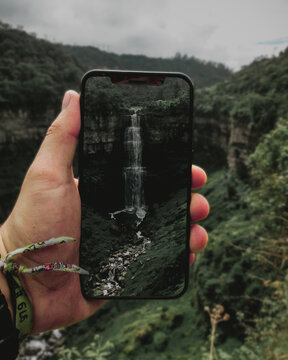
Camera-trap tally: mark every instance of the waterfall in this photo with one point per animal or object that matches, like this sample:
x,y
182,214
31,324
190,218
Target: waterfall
x,y
134,172
113,273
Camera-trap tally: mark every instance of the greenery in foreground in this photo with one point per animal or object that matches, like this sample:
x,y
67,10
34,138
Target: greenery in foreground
x,y
243,268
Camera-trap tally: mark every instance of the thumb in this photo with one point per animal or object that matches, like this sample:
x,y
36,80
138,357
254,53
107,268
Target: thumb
x,y
59,145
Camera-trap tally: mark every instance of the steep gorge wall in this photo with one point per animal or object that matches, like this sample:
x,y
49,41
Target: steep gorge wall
x,y
20,137
225,141
103,134
232,142
216,139
216,143
18,127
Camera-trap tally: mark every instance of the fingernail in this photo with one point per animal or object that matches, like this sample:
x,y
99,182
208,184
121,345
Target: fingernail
x,y
191,258
66,100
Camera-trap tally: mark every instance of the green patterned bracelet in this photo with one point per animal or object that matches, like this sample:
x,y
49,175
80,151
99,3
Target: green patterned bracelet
x,y
23,313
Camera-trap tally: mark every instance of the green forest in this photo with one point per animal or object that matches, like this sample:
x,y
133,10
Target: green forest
x,y
236,306
34,72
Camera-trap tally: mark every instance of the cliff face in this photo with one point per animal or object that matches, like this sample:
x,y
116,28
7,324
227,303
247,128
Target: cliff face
x,y
215,142
166,129
17,127
227,142
219,140
232,142
20,138
238,146
103,134
211,140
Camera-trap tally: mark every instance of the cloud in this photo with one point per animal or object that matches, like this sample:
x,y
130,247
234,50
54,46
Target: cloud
x,y
278,41
222,31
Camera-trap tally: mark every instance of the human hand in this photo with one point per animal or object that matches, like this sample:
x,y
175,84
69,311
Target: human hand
x,y
49,206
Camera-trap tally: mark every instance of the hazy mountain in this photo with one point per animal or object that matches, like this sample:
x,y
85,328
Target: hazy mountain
x,y
34,72
202,72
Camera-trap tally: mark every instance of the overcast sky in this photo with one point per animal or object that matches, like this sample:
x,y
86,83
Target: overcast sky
x,y
228,31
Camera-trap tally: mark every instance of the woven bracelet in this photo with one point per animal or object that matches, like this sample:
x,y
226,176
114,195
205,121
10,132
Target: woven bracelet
x,y
23,314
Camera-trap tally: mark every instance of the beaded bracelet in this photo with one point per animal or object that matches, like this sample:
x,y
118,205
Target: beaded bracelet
x,y
23,317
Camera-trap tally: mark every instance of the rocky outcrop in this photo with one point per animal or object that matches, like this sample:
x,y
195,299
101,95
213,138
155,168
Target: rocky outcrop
x,y
102,134
238,147
165,129
41,347
234,141
211,136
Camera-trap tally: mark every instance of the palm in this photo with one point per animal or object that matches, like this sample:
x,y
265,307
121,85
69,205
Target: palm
x,y
49,206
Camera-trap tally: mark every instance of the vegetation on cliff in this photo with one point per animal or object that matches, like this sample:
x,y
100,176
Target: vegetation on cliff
x,y
255,96
203,73
243,268
34,73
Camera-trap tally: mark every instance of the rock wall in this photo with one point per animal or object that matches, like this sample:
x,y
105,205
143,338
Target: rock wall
x,y
16,127
214,137
211,141
102,134
238,146
20,137
165,129
232,141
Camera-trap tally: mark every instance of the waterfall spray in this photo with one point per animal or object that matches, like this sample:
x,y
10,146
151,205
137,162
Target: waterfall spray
x,y
133,171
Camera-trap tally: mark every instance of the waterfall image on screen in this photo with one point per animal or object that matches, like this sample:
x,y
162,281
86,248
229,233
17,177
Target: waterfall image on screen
x,y
133,187
134,171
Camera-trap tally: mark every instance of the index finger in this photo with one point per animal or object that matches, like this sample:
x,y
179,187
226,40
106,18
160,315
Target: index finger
x,y
199,177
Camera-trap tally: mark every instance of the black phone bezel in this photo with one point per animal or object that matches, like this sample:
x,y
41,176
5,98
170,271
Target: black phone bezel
x,y
109,73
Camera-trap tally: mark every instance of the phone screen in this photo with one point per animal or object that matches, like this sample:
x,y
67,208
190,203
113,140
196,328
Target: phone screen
x,y
134,182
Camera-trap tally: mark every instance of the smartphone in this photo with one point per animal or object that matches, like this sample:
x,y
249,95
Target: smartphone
x,y
135,156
